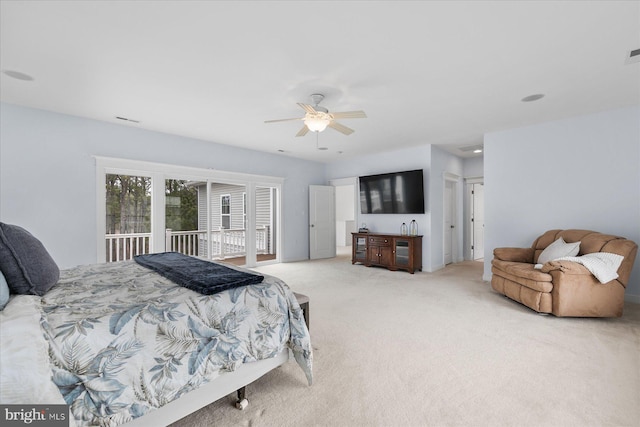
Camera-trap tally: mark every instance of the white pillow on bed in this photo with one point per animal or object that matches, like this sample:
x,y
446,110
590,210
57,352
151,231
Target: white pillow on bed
x,y
25,373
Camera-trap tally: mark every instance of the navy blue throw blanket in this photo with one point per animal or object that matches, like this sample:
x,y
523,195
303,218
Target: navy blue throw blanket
x,y
198,275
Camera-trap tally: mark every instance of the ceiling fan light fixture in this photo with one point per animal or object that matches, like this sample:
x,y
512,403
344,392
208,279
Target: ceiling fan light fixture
x,y
318,118
316,124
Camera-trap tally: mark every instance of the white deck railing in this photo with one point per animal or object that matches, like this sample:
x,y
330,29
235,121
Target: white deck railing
x,y
224,243
122,247
185,242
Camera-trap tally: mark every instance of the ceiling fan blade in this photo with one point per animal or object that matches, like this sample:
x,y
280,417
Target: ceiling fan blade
x,y
283,120
349,115
340,128
307,108
303,131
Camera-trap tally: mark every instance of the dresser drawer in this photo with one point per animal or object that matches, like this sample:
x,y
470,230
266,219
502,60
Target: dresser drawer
x,y
379,241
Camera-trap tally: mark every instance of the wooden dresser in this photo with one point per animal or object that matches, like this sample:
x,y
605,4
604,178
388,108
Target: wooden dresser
x,y
393,251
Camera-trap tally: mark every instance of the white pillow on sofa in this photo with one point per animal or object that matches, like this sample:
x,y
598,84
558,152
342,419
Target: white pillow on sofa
x,y
558,249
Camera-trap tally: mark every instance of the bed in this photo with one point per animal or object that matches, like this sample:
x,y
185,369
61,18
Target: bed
x,y
123,345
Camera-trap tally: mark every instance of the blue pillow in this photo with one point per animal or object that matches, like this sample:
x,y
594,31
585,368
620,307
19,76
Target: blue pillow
x,y
4,291
25,263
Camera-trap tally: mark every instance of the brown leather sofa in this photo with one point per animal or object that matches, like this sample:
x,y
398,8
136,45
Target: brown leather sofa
x,y
564,288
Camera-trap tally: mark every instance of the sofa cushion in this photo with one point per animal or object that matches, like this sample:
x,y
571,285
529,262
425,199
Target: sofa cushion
x,y
524,274
538,301
558,249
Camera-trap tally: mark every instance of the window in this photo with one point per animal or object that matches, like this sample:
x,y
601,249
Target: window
x,y
225,211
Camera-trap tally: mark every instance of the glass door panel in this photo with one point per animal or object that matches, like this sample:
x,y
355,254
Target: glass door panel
x,y
182,233
360,245
226,221
402,252
266,215
128,216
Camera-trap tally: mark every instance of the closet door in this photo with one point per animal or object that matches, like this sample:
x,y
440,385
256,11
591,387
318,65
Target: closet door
x,y
322,221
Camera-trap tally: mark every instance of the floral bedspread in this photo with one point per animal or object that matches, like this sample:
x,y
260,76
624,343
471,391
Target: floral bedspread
x,y
124,340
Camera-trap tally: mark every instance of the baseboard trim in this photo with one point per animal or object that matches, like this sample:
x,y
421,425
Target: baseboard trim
x,y
435,268
632,298
294,260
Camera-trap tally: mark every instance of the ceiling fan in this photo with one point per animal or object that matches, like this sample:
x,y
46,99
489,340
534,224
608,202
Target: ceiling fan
x,y
317,118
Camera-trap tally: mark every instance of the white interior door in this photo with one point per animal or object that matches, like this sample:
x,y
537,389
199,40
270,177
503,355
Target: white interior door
x,y
478,221
322,222
448,222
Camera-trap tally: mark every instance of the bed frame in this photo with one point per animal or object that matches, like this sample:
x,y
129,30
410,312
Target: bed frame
x,y
220,387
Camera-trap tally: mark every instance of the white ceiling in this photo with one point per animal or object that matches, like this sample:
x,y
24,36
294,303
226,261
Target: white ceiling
x,y
432,72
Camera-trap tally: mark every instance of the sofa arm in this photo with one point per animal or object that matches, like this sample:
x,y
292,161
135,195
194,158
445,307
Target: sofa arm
x,y
514,254
567,267
578,293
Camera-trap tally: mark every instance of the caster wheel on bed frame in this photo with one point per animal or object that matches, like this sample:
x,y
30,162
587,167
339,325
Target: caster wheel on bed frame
x,y
242,404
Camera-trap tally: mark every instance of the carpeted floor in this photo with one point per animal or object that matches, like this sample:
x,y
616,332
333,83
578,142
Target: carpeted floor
x,y
435,349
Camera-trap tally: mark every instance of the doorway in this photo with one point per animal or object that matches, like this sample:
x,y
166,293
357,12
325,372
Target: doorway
x,y
346,212
449,221
477,221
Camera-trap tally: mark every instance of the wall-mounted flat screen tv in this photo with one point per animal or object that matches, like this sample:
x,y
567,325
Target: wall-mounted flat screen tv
x,y
392,193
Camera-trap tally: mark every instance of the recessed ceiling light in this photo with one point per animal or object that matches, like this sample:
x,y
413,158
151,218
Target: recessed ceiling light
x,y
532,98
17,75
477,151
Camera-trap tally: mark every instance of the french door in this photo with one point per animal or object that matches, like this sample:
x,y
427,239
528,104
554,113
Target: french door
x,y
145,208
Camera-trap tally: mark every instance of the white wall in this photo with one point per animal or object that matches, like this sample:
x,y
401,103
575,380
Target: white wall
x,y
582,172
473,167
47,176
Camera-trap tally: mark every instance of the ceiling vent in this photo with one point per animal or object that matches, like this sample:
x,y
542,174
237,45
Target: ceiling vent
x,y
127,120
633,57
